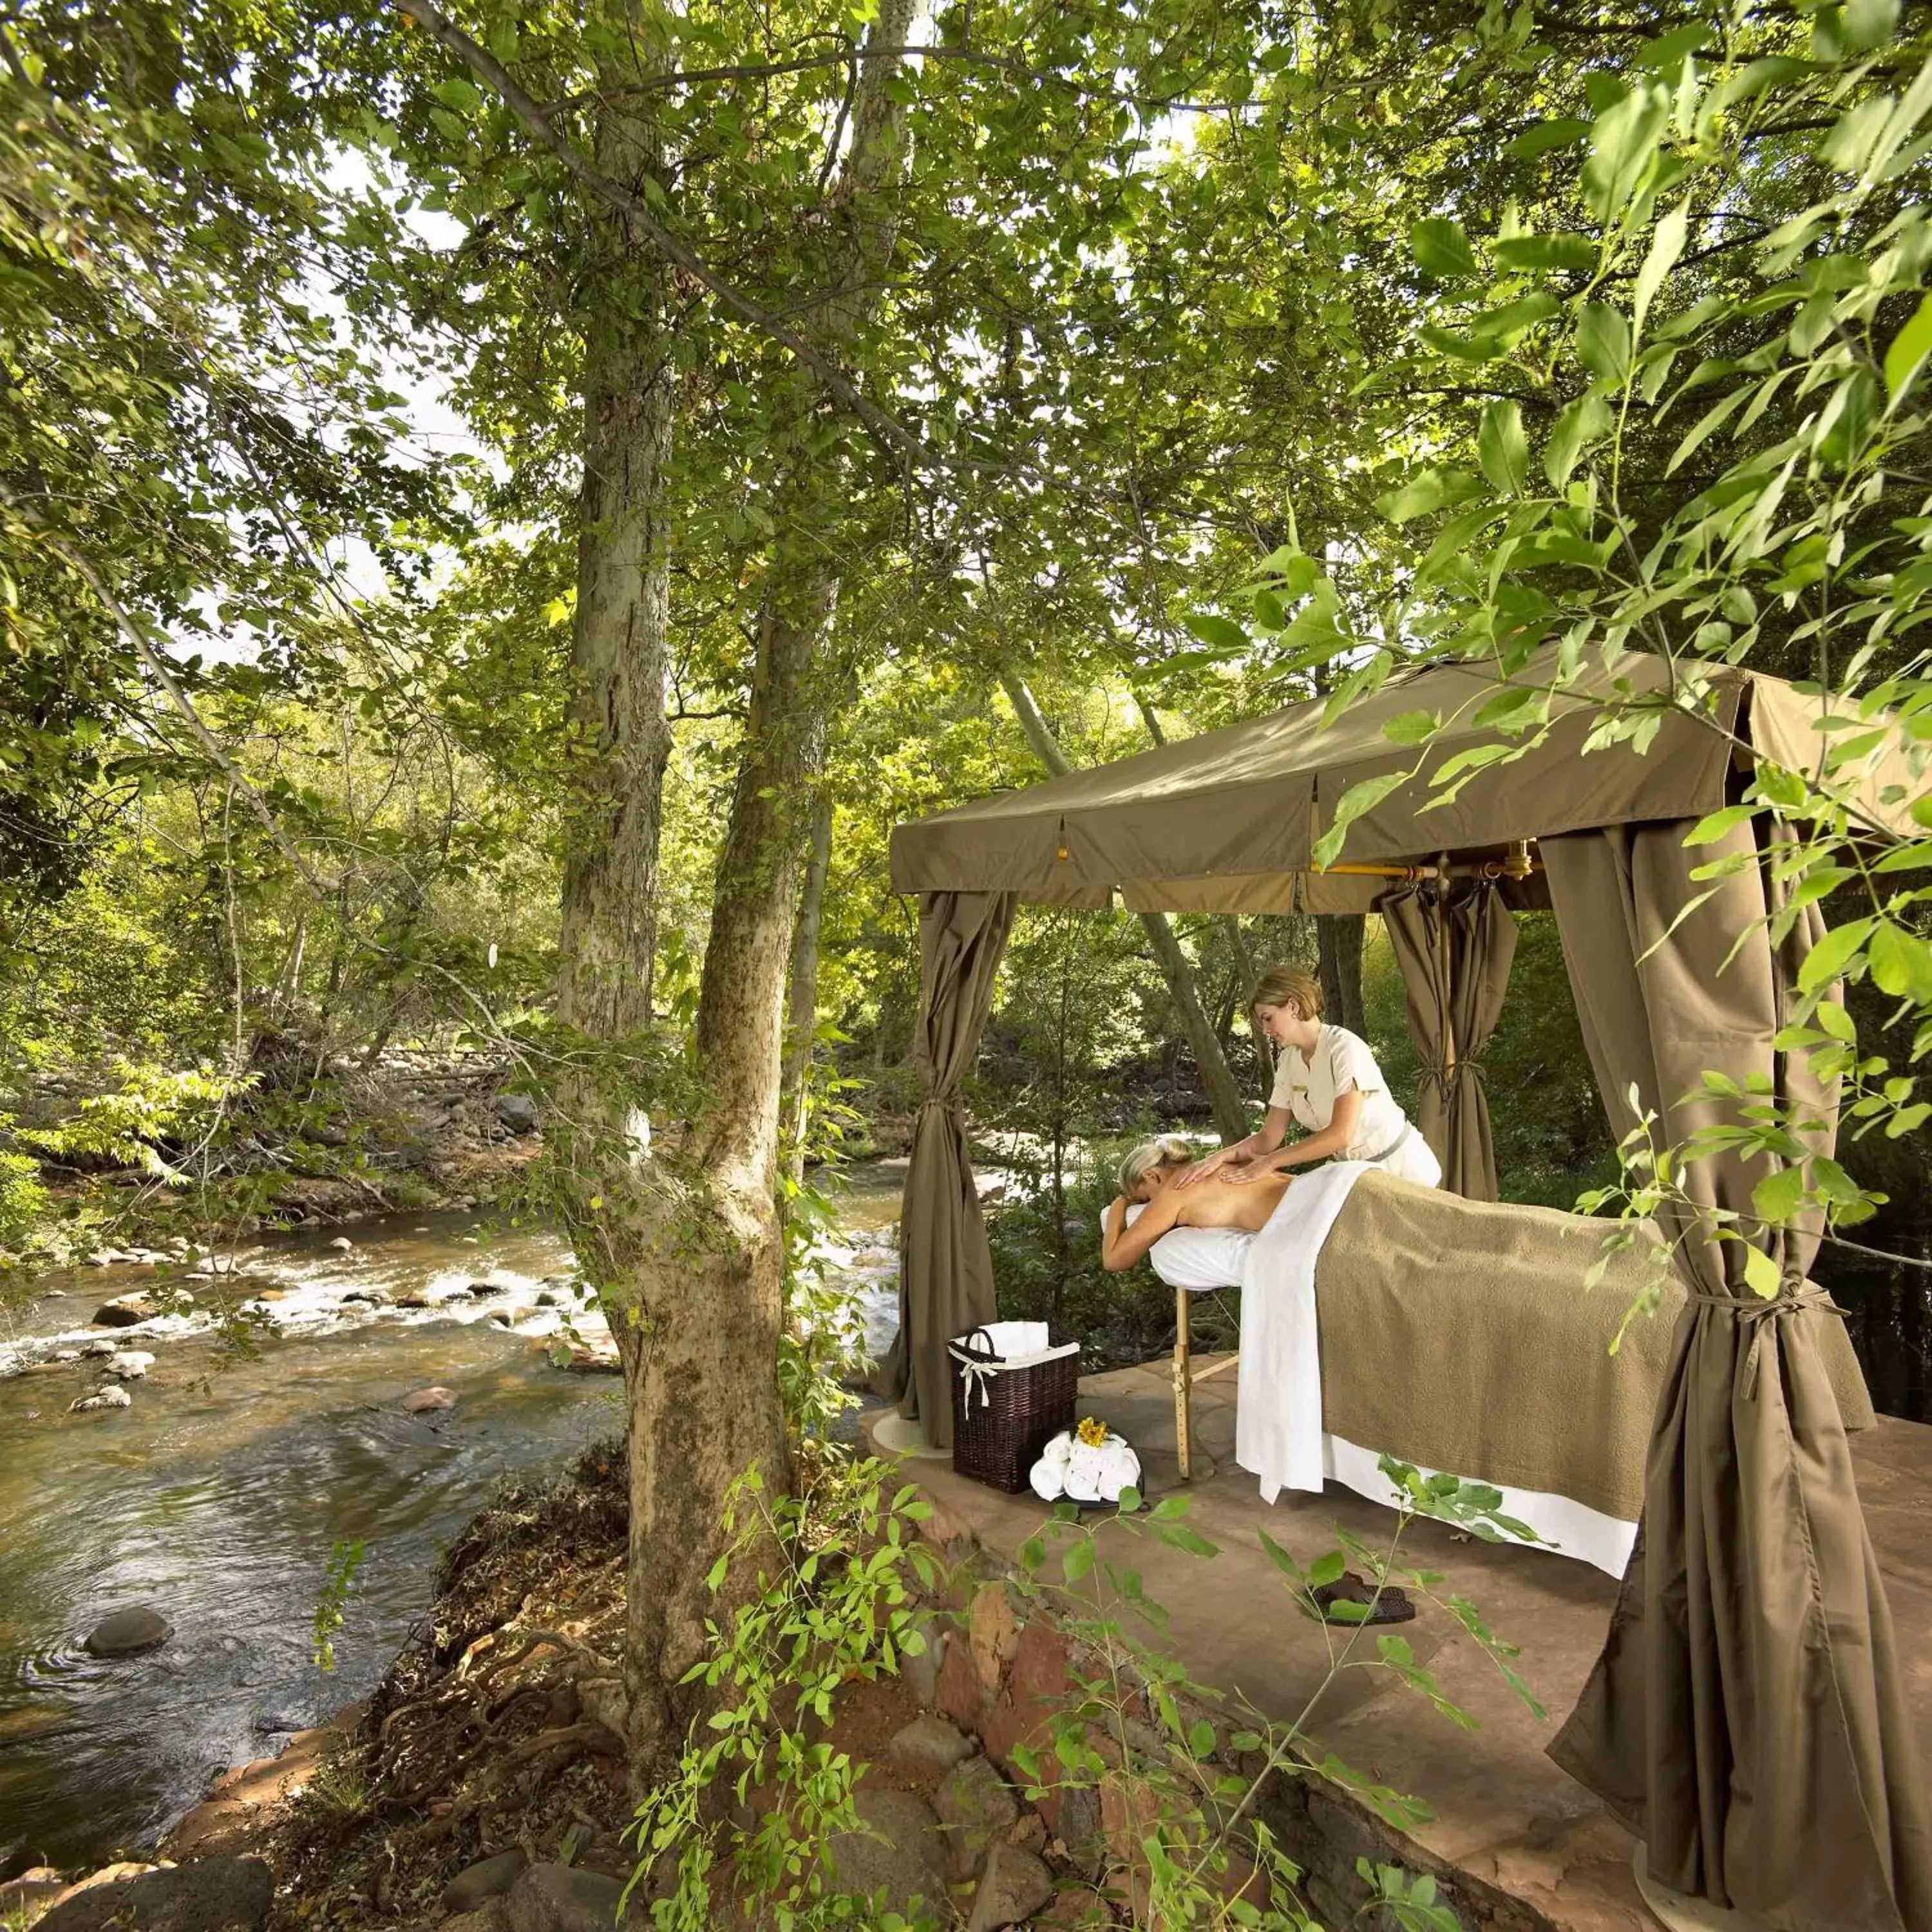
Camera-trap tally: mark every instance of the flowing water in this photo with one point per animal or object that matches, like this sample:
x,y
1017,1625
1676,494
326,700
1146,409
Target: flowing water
x,y
218,1497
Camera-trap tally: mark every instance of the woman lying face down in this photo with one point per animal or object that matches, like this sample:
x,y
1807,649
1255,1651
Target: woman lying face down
x,y
1149,1177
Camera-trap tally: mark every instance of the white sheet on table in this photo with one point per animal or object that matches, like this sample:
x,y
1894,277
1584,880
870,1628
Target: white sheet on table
x,y
1278,1403
1272,1435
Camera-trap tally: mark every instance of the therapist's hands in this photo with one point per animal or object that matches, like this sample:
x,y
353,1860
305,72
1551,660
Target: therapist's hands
x,y
1201,1169
1242,1173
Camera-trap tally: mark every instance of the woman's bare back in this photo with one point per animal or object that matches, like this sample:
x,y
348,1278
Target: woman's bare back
x,y
1215,1203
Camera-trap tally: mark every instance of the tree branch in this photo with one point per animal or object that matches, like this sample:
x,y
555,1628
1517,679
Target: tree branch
x,y
136,635
536,118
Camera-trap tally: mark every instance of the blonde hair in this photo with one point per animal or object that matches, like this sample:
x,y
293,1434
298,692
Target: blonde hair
x,y
1165,1150
1281,985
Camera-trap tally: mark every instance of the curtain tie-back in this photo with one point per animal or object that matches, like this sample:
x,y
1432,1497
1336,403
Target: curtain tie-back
x,y
1752,1309
1755,1308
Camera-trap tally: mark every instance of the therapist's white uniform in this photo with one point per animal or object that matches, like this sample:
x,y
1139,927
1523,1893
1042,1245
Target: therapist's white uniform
x,y
1339,1061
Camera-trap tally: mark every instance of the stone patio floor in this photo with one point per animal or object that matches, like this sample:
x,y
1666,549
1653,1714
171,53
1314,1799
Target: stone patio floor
x,y
1504,1813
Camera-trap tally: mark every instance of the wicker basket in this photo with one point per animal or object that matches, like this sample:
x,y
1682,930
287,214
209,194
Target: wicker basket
x,y
1005,1412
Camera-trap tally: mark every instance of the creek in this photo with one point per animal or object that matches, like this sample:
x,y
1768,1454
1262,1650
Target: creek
x,y
218,1496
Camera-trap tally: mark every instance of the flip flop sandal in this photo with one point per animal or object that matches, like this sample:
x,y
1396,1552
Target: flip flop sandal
x,y
1391,1606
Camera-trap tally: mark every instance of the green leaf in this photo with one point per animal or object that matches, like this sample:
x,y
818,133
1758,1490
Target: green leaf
x,y
463,95
1603,343
1910,347
1560,250
1761,1275
1668,52
1442,249
1710,828
1546,137
1666,245
1363,796
1778,1196
1077,1560
1222,633
1182,1536
1580,425
1326,1569
1501,447
1411,727
1623,148
1901,963
1827,960
1870,23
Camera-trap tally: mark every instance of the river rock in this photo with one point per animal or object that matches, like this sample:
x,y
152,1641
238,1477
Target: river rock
x,y
901,1851
128,1632
563,1898
342,1244
422,1401
125,1312
212,1895
129,1365
487,1879
1016,1886
518,1112
35,1886
591,1362
113,1396
100,1345
976,1806
929,1745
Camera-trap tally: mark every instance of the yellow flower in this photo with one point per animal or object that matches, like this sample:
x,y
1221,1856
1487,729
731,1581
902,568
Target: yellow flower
x,y
1093,1432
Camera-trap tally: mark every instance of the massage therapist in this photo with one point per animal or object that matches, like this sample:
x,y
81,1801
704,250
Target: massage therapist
x,y
1328,1081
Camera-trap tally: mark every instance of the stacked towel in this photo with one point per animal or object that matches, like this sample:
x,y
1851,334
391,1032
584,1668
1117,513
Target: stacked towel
x,y
1085,1473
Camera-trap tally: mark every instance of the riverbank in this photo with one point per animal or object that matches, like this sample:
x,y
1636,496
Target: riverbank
x,y
481,1788
269,1428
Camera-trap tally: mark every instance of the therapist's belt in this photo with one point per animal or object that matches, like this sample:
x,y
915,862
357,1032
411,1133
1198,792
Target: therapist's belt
x,y
1375,1160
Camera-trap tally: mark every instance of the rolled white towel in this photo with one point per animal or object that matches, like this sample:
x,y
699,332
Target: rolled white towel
x,y
1049,1473
1120,1469
1085,1466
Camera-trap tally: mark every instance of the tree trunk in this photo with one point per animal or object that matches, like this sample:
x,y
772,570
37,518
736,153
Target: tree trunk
x,y
1339,935
801,1014
596,1131
701,1348
1230,1114
1230,922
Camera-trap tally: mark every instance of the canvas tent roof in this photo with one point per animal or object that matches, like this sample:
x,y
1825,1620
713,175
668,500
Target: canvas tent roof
x,y
1227,820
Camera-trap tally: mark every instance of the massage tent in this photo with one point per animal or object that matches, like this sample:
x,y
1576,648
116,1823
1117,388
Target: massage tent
x,y
1746,1717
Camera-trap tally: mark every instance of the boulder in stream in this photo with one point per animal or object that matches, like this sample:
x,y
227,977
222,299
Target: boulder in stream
x,y
127,1632
129,1365
342,1244
213,1894
423,1401
113,1396
125,1312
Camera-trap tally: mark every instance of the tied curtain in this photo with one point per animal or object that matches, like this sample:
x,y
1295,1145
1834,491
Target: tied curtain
x,y
1746,1718
1455,949
945,1268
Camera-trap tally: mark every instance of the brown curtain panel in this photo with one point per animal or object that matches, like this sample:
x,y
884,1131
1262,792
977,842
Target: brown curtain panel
x,y
1455,956
1746,1717
946,1269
